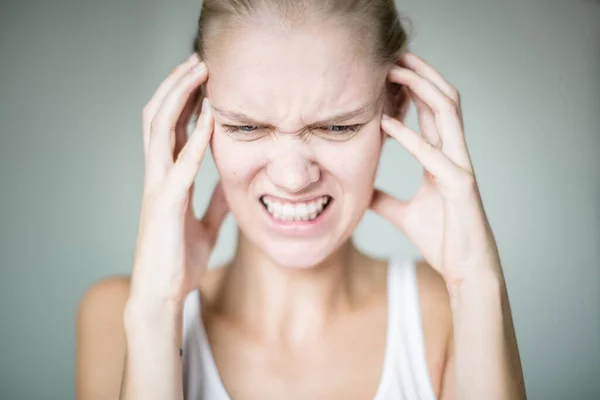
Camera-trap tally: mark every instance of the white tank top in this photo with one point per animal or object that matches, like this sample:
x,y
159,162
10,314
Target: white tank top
x,y
405,375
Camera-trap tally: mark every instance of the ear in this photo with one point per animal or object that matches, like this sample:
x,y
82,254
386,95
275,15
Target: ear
x,y
397,100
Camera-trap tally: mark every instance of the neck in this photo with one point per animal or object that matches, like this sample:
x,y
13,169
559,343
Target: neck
x,y
288,305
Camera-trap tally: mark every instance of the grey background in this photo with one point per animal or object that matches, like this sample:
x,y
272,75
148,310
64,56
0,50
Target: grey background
x,y
74,77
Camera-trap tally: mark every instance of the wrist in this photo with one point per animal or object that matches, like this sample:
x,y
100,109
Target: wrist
x,y
483,286
150,312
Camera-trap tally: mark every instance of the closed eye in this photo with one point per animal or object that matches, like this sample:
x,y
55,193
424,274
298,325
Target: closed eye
x,y
240,129
334,130
341,128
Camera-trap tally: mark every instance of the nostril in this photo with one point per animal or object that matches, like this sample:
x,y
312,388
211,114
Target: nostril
x,y
293,176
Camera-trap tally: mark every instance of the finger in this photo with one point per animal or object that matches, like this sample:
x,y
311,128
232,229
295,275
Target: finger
x,y
157,98
432,159
215,212
183,173
447,117
428,129
191,201
162,131
388,207
181,128
425,70
426,121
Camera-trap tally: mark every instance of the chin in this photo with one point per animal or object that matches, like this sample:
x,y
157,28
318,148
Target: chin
x,y
297,255
301,253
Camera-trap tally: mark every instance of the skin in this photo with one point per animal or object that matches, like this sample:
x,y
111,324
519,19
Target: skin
x,y
286,310
287,89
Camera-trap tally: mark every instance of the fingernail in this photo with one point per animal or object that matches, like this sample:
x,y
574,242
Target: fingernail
x,y
385,117
193,57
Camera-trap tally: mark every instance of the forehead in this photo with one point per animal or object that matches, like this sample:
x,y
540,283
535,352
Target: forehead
x,y
280,74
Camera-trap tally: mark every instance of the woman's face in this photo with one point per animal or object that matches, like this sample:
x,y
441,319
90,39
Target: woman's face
x,y
297,136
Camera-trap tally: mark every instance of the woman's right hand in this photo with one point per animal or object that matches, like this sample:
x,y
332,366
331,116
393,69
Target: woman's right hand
x,y
173,246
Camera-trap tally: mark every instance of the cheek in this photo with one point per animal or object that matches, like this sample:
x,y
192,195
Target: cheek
x,y
355,162
236,162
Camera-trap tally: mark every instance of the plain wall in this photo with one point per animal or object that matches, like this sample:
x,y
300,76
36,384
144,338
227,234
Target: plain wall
x,y
74,77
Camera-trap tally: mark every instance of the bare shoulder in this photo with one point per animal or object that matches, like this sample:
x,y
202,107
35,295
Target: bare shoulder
x,y
436,318
101,342
100,338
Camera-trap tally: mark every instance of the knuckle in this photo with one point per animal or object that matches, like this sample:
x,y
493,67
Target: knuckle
x,y
455,96
446,106
466,181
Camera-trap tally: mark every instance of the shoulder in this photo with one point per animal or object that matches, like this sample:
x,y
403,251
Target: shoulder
x,y
104,302
101,342
436,319
108,291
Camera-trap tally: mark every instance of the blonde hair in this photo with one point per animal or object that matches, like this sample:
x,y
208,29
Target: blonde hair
x,y
376,21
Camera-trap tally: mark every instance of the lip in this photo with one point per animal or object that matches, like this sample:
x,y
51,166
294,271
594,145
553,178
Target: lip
x,y
283,200
298,228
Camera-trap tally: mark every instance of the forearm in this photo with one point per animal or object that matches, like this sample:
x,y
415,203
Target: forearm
x,y
153,364
487,364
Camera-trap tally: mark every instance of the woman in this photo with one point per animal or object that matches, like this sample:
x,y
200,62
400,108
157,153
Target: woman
x,y
298,99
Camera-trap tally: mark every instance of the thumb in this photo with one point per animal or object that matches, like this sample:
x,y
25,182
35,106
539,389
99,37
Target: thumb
x,y
216,212
389,207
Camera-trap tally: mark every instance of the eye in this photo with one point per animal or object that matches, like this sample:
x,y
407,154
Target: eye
x,y
240,129
341,129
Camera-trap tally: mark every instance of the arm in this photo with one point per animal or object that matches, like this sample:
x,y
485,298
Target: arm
x,y
486,358
447,224
173,245
125,350
153,364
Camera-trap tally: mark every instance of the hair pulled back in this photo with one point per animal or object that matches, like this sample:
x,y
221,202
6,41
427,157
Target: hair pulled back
x,y
375,20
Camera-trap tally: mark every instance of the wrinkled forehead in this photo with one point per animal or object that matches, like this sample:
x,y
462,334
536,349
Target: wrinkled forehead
x,y
279,75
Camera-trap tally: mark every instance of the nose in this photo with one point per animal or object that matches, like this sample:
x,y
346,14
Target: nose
x,y
292,171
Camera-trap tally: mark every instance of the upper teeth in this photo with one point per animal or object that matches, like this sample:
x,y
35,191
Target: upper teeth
x,y
298,212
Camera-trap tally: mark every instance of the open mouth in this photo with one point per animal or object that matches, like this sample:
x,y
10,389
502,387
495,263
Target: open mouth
x,y
306,211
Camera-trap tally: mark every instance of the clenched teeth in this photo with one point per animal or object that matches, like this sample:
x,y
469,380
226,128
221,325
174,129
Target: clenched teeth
x,y
296,212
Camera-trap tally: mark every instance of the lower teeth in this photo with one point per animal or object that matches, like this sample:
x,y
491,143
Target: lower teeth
x,y
294,218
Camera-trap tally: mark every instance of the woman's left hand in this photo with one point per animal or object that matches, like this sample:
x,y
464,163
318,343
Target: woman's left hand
x,y
445,220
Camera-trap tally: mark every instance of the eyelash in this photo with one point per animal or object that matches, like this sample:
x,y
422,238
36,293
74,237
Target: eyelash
x,y
345,129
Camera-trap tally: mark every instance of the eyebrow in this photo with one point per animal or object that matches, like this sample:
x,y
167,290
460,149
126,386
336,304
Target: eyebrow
x,y
345,116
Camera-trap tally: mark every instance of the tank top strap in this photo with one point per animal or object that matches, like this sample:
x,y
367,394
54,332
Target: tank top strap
x,y
205,383
405,374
